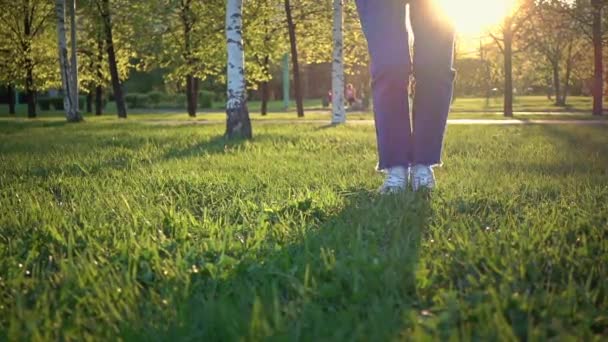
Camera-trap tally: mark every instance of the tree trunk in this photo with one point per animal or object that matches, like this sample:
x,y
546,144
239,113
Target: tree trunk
x,y
116,85
196,89
238,124
598,81
191,91
90,101
67,78
11,99
264,87
569,62
98,100
30,92
74,60
508,56
556,84
294,59
264,106
337,77
191,95
99,88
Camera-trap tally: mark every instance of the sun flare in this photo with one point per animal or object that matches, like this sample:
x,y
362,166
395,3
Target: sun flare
x,y
475,16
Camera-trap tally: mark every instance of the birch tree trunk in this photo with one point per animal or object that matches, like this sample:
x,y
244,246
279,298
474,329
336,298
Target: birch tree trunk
x,y
337,72
238,124
67,79
74,60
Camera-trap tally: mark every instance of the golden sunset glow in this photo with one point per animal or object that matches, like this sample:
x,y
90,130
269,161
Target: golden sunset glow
x,y
475,16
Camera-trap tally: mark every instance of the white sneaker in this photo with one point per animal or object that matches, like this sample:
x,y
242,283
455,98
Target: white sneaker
x,y
422,177
396,180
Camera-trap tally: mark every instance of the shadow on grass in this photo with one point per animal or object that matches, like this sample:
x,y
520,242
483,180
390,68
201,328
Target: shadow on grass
x,y
217,144
588,144
348,276
581,152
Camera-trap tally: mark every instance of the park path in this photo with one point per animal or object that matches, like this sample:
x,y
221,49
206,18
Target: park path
x,y
471,122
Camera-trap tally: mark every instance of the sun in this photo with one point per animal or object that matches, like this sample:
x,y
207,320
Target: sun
x,y
475,16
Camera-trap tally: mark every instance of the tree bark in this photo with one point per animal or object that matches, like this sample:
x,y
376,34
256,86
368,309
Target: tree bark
x,y
98,100
264,87
30,91
191,91
74,58
70,104
116,84
294,59
90,101
598,79
508,57
264,106
238,124
556,84
191,95
569,62
11,99
99,88
337,79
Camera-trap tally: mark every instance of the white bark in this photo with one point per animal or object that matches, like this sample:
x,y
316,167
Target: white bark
x,y
237,115
67,79
236,59
338,112
74,61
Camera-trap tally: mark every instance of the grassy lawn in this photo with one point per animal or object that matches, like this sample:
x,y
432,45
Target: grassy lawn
x,y
461,108
150,232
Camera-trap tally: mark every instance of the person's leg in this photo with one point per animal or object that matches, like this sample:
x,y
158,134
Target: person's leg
x,y
434,75
383,23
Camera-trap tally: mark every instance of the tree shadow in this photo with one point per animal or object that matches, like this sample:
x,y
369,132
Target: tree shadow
x,y
581,153
348,276
217,144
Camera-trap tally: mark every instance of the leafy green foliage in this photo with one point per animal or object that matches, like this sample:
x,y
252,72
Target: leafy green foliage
x,y
28,41
169,232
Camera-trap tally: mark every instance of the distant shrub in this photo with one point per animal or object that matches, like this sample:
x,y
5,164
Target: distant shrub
x,y
205,99
57,102
155,97
180,100
44,103
82,100
137,100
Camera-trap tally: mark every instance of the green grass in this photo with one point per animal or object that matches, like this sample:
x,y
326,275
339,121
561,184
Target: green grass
x,y
524,104
465,107
149,232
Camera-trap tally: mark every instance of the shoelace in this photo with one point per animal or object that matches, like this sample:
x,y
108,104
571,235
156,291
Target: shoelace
x,y
422,176
394,180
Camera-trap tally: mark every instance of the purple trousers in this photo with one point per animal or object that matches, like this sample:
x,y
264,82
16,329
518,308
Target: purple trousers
x,y
401,143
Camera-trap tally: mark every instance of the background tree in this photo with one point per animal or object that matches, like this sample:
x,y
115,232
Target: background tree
x,y
551,33
104,9
8,73
339,114
68,70
238,124
265,37
588,15
291,28
192,44
505,37
32,55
